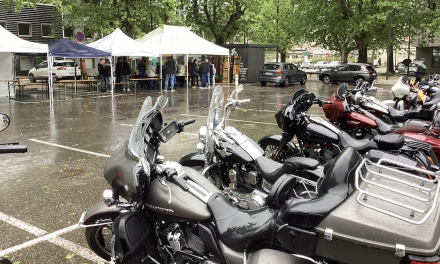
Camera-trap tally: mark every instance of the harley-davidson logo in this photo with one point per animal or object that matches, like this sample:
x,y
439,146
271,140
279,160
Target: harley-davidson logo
x,y
159,208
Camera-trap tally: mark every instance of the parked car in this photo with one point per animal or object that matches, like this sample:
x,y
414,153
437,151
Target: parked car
x,y
333,64
307,64
283,73
350,72
401,68
62,69
320,65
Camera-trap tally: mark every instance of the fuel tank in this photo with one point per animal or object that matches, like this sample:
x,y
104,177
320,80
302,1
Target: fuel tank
x,y
183,206
357,120
316,132
244,151
378,107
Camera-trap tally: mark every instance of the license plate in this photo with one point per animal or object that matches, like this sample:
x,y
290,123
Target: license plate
x,y
268,73
374,74
71,73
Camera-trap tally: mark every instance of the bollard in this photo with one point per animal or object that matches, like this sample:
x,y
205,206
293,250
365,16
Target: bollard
x,y
236,79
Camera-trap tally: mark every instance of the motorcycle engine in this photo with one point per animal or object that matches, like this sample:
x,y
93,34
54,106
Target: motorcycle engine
x,y
321,152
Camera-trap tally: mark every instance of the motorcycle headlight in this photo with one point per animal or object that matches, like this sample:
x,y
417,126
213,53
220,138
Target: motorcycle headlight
x,y
111,197
202,134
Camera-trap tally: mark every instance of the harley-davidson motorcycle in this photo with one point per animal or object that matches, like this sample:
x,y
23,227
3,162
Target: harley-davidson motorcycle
x,y
388,114
172,214
321,140
235,163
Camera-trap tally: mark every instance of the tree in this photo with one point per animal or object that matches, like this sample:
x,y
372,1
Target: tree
x,y
273,25
219,20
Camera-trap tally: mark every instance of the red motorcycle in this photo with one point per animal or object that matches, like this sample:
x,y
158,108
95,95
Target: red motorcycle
x,y
360,123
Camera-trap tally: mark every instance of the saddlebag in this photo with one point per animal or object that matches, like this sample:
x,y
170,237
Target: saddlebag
x,y
133,242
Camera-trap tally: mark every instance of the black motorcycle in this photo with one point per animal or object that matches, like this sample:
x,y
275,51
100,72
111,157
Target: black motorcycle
x,y
321,140
235,163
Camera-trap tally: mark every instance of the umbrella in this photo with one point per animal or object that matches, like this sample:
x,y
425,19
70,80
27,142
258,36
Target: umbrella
x,y
421,65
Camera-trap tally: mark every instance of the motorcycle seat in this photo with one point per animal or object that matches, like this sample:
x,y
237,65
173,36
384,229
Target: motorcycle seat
x,y
271,170
337,184
384,128
382,142
431,104
396,115
414,126
360,145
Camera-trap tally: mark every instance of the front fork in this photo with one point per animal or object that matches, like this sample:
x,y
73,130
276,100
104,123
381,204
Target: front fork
x,y
286,138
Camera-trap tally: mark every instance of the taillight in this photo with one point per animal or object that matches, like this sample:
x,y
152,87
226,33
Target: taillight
x,y
62,68
279,71
368,72
411,259
260,70
423,262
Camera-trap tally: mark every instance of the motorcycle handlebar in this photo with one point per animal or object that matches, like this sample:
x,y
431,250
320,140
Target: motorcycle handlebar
x,y
179,182
243,101
13,149
189,121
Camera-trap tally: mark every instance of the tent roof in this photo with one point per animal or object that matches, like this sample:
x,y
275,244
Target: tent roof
x,y
70,49
180,40
119,44
11,43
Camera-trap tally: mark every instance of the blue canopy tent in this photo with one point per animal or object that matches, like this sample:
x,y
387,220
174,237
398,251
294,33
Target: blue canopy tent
x,y
69,49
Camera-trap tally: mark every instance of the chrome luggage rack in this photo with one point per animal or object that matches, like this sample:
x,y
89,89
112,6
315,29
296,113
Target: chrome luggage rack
x,y
311,190
385,188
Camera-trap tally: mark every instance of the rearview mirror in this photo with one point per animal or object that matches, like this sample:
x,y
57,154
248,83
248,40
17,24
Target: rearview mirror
x,y
162,101
239,88
4,122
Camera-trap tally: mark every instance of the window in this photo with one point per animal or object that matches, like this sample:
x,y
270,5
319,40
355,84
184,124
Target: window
x,y
65,64
3,24
42,65
46,30
271,66
354,68
90,63
342,68
24,29
68,32
26,63
435,58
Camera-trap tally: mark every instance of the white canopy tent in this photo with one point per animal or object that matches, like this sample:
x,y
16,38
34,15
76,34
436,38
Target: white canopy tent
x,y
180,40
10,44
119,44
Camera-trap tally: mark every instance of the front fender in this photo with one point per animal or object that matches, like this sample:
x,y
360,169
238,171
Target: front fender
x,y
193,160
99,214
276,140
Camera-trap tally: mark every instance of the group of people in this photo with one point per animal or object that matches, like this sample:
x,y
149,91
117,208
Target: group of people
x,y
122,74
206,71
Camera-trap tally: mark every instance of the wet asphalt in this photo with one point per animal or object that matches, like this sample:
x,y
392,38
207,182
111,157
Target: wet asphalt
x,y
49,187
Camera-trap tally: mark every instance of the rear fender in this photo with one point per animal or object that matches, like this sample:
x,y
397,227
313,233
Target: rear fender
x,y
276,140
99,214
193,160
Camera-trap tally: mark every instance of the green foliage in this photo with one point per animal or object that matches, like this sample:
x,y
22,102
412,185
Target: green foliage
x,y
219,20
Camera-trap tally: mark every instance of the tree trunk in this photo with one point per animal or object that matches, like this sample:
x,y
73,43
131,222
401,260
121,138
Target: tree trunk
x,y
283,57
344,55
363,53
390,63
83,69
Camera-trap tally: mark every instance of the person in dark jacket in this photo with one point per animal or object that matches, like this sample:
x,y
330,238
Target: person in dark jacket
x,y
203,72
170,69
419,74
142,67
208,74
125,73
118,72
108,75
194,74
101,73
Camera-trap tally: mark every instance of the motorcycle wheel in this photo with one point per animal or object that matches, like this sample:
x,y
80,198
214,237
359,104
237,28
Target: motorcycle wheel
x,y
270,149
5,261
99,239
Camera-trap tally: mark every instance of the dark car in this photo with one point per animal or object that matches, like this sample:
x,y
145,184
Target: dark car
x,y
350,73
283,73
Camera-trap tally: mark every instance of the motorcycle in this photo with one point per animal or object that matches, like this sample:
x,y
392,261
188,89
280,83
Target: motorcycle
x,y
172,214
388,114
430,85
321,140
235,163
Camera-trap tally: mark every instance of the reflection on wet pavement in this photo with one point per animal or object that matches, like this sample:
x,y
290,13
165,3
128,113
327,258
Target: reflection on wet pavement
x,y
50,186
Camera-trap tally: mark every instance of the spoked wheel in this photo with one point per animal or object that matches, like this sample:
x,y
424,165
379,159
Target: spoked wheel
x,y
326,79
270,150
286,82
5,261
99,240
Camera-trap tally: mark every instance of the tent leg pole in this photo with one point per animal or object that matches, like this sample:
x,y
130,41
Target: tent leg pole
x,y
187,72
229,68
160,73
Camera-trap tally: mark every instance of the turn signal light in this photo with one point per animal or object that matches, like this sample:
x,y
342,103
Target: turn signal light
x,y
62,68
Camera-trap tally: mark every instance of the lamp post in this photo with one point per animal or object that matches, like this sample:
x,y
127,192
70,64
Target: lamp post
x,y
388,51
409,44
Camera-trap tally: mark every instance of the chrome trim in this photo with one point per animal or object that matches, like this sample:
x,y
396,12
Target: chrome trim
x,y
107,223
210,167
320,121
328,234
243,142
267,187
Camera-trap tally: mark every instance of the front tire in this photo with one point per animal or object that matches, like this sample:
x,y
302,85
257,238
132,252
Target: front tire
x,y
99,240
32,78
303,80
263,83
270,149
359,80
326,79
285,83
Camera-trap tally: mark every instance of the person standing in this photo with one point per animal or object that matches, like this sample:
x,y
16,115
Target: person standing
x,y
194,74
380,62
108,75
170,69
151,73
118,72
203,71
213,72
142,67
190,77
419,74
182,73
208,74
125,74
101,73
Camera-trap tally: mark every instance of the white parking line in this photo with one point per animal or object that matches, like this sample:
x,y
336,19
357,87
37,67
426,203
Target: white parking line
x,y
236,120
69,148
44,236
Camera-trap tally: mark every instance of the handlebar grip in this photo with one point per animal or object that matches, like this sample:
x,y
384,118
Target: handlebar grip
x,y
13,149
180,182
327,102
243,101
189,121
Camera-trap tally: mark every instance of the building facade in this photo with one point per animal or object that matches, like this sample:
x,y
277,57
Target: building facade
x,y
430,52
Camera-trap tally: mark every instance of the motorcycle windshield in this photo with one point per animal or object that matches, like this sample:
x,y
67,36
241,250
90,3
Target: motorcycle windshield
x,y
340,93
136,142
214,115
297,94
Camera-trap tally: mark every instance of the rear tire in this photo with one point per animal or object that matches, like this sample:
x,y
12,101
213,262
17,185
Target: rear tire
x,y
5,261
303,80
326,79
32,78
359,80
99,238
263,83
285,83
